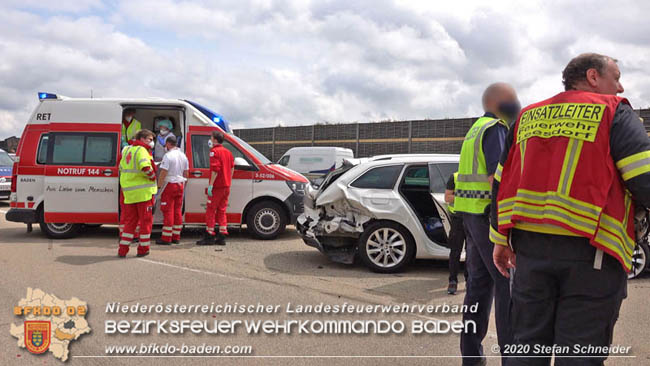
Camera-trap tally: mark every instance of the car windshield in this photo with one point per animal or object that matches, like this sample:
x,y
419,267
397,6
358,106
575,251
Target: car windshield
x,y
5,159
263,159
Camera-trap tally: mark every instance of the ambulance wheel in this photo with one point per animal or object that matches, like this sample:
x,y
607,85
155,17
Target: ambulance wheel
x,y
386,247
60,230
266,220
639,260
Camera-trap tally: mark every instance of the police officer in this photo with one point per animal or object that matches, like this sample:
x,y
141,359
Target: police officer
x,y
561,198
478,161
222,165
171,182
138,182
130,126
456,236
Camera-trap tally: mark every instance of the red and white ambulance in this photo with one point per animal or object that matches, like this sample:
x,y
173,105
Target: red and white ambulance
x,y
66,170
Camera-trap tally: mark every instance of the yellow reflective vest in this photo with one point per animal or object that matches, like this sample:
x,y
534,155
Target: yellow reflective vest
x,y
473,191
128,134
136,186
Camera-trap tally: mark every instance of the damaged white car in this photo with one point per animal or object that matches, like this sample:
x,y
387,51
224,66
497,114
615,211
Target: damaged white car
x,y
385,211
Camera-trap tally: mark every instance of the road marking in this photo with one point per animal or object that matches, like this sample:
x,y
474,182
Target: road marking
x,y
190,269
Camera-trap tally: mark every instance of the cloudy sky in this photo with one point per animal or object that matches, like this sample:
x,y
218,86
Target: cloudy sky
x,y
264,63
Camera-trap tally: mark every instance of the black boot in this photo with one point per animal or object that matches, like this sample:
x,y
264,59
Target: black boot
x,y
162,242
208,239
220,239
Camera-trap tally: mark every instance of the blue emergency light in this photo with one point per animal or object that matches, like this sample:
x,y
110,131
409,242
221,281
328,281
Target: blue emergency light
x,y
42,96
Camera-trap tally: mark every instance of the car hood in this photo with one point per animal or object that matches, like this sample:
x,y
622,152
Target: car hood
x,y
286,173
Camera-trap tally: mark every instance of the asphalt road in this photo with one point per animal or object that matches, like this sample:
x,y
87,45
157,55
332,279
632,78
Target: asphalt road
x,y
246,271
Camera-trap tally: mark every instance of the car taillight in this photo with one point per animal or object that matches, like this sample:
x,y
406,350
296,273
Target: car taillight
x,y
14,178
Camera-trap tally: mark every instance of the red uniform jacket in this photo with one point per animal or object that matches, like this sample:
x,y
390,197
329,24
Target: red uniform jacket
x,y
222,162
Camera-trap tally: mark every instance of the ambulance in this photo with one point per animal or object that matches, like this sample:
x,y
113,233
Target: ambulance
x,y
65,175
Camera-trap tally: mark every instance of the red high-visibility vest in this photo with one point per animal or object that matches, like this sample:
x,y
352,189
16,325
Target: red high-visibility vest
x,y
560,178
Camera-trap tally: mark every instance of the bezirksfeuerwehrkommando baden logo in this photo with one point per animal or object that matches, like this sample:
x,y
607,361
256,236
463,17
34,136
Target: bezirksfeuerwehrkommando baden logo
x,y
49,323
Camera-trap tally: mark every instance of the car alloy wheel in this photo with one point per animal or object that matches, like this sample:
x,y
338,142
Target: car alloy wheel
x,y
639,260
386,247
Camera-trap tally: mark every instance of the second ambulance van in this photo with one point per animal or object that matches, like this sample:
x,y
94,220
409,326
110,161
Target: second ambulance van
x,y
66,170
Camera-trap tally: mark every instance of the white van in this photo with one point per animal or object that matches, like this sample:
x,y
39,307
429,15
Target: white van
x,y
316,161
66,170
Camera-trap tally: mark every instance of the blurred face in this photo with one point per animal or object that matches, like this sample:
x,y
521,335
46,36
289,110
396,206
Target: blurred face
x,y
607,83
128,116
504,103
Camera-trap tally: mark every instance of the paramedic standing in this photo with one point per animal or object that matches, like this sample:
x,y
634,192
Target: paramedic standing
x,y
171,181
573,168
138,181
222,164
130,126
456,236
478,161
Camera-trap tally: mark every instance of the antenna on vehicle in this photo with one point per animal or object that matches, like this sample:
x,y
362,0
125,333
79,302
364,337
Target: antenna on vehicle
x,y
91,94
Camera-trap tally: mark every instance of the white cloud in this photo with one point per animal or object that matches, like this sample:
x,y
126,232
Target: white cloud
x,y
263,63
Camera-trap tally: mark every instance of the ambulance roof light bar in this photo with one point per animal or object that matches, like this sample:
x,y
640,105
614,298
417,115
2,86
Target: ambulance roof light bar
x,y
42,96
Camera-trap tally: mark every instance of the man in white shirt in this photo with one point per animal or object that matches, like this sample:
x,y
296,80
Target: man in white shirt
x,y
171,181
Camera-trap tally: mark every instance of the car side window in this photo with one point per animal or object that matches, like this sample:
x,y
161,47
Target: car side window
x,y
379,178
41,157
201,151
417,176
81,148
445,170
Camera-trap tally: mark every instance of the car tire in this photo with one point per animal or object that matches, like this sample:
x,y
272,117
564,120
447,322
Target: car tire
x,y
60,230
266,220
639,259
386,247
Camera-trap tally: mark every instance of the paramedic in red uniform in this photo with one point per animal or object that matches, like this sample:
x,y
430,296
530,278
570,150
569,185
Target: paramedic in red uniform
x,y
564,194
222,164
171,181
138,182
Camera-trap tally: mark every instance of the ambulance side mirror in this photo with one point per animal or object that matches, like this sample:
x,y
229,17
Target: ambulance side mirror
x,y
242,164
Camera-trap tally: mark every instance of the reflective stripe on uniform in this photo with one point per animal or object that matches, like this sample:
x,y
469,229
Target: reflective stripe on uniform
x,y
127,235
473,178
145,236
472,194
125,242
133,188
498,238
571,157
498,172
145,243
634,165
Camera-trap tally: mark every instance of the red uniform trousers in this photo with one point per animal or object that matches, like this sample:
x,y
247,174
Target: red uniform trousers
x,y
136,214
123,217
217,205
171,204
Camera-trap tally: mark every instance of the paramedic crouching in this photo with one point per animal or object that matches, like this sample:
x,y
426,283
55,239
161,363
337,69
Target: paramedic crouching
x,y
138,182
171,182
222,164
